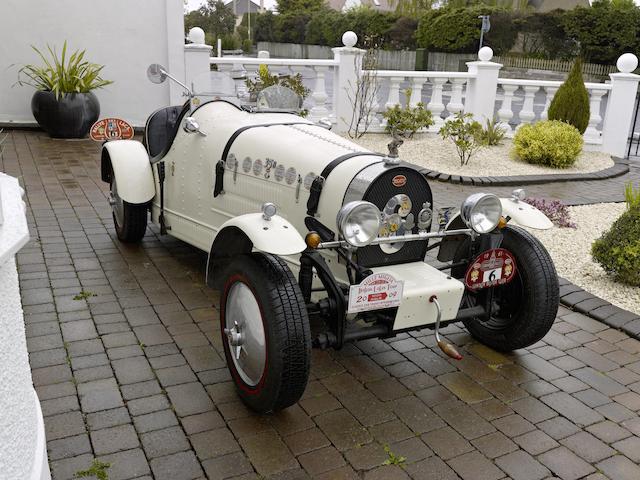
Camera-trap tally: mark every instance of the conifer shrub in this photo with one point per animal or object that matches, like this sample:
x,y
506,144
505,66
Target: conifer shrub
x,y
551,143
571,102
618,250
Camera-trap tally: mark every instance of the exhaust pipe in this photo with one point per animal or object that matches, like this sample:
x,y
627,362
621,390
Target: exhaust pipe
x,y
445,346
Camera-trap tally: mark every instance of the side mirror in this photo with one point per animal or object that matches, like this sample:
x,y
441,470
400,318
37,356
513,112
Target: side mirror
x,y
156,73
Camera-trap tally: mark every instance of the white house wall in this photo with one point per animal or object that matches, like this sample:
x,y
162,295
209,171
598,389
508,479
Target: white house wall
x,y
124,35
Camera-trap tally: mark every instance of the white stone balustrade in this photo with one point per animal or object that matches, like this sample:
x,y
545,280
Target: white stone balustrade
x,y
478,91
529,89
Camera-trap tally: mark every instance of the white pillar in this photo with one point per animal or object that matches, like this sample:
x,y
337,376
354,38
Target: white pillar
x,y
197,62
481,89
620,106
349,64
175,48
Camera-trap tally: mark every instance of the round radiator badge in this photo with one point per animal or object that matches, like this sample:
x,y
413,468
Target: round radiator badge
x,y
246,164
491,268
290,176
399,181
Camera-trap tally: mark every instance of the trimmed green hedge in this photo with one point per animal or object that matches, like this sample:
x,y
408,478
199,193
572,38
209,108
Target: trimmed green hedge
x,y
551,143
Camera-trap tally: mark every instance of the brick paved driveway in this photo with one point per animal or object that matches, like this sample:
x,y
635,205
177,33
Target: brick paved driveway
x,y
133,374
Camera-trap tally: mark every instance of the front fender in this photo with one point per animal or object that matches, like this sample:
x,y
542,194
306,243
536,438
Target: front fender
x,y
129,162
524,214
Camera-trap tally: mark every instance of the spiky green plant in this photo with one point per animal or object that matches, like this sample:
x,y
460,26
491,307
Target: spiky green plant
x,y
571,102
62,74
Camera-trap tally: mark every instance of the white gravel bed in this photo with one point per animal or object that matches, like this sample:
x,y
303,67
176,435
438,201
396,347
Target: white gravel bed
x,y
431,151
571,252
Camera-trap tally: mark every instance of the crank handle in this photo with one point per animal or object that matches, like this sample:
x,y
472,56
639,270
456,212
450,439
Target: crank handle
x,y
445,346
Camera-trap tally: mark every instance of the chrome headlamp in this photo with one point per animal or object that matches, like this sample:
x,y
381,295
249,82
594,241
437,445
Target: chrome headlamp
x,y
481,212
359,223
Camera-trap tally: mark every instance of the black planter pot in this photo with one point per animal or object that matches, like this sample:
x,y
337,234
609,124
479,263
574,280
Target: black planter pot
x,y
70,116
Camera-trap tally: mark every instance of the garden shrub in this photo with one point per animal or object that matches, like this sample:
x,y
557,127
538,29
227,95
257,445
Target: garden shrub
x,y
551,143
557,211
618,250
571,102
492,133
465,134
406,121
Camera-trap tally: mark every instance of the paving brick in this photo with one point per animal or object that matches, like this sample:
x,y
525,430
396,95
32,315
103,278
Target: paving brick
x,y
175,375
608,431
145,405
202,422
306,441
513,425
558,428
155,421
416,415
599,381
389,432
214,443
108,418
432,468
126,465
629,447
114,439
59,405
65,469
320,404
80,330
520,465
536,442
268,454
132,370
474,466
159,443
139,390
189,399
619,468
572,409
587,447
227,466
565,464
99,395
51,375
321,460
291,420
386,472
464,419
494,445
68,447
615,412
342,429
465,388
446,443
179,466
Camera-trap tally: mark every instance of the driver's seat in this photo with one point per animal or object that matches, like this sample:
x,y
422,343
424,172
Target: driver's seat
x,y
161,129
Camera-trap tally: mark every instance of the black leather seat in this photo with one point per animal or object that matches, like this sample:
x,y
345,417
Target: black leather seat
x,y
161,129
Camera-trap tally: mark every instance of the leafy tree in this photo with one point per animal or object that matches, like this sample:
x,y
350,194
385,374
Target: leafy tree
x,y
214,17
401,35
544,35
457,30
412,8
265,30
285,7
571,102
603,31
325,27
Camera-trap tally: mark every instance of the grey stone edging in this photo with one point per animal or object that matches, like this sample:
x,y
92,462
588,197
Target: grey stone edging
x,y
579,300
620,167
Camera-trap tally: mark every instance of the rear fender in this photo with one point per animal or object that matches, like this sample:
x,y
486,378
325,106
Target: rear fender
x,y
251,232
129,162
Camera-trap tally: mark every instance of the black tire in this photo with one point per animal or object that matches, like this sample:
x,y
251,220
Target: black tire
x,y
527,306
286,330
132,224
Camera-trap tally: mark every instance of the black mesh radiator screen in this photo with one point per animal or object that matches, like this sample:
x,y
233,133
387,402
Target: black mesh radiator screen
x,y
379,193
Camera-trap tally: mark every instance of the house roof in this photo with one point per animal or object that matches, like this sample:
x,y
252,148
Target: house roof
x,y
240,7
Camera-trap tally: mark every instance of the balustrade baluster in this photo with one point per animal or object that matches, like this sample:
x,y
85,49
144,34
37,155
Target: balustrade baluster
x,y
455,105
416,91
319,95
592,134
550,92
435,105
505,114
527,115
394,92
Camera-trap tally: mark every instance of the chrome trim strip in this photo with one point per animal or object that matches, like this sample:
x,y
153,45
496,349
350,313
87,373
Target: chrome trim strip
x,y
422,235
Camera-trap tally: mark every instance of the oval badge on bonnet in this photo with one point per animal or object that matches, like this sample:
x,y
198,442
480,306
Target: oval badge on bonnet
x,y
399,181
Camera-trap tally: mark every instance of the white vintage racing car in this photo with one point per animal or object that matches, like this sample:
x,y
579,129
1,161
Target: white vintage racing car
x,y
305,227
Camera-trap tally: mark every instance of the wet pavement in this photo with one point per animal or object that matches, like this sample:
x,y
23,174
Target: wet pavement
x,y
132,372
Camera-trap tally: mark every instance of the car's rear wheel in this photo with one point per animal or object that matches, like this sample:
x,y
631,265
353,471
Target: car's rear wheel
x,y
265,332
522,311
130,219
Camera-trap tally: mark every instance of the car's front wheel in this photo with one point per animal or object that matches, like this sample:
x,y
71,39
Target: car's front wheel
x,y
265,332
130,219
522,311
